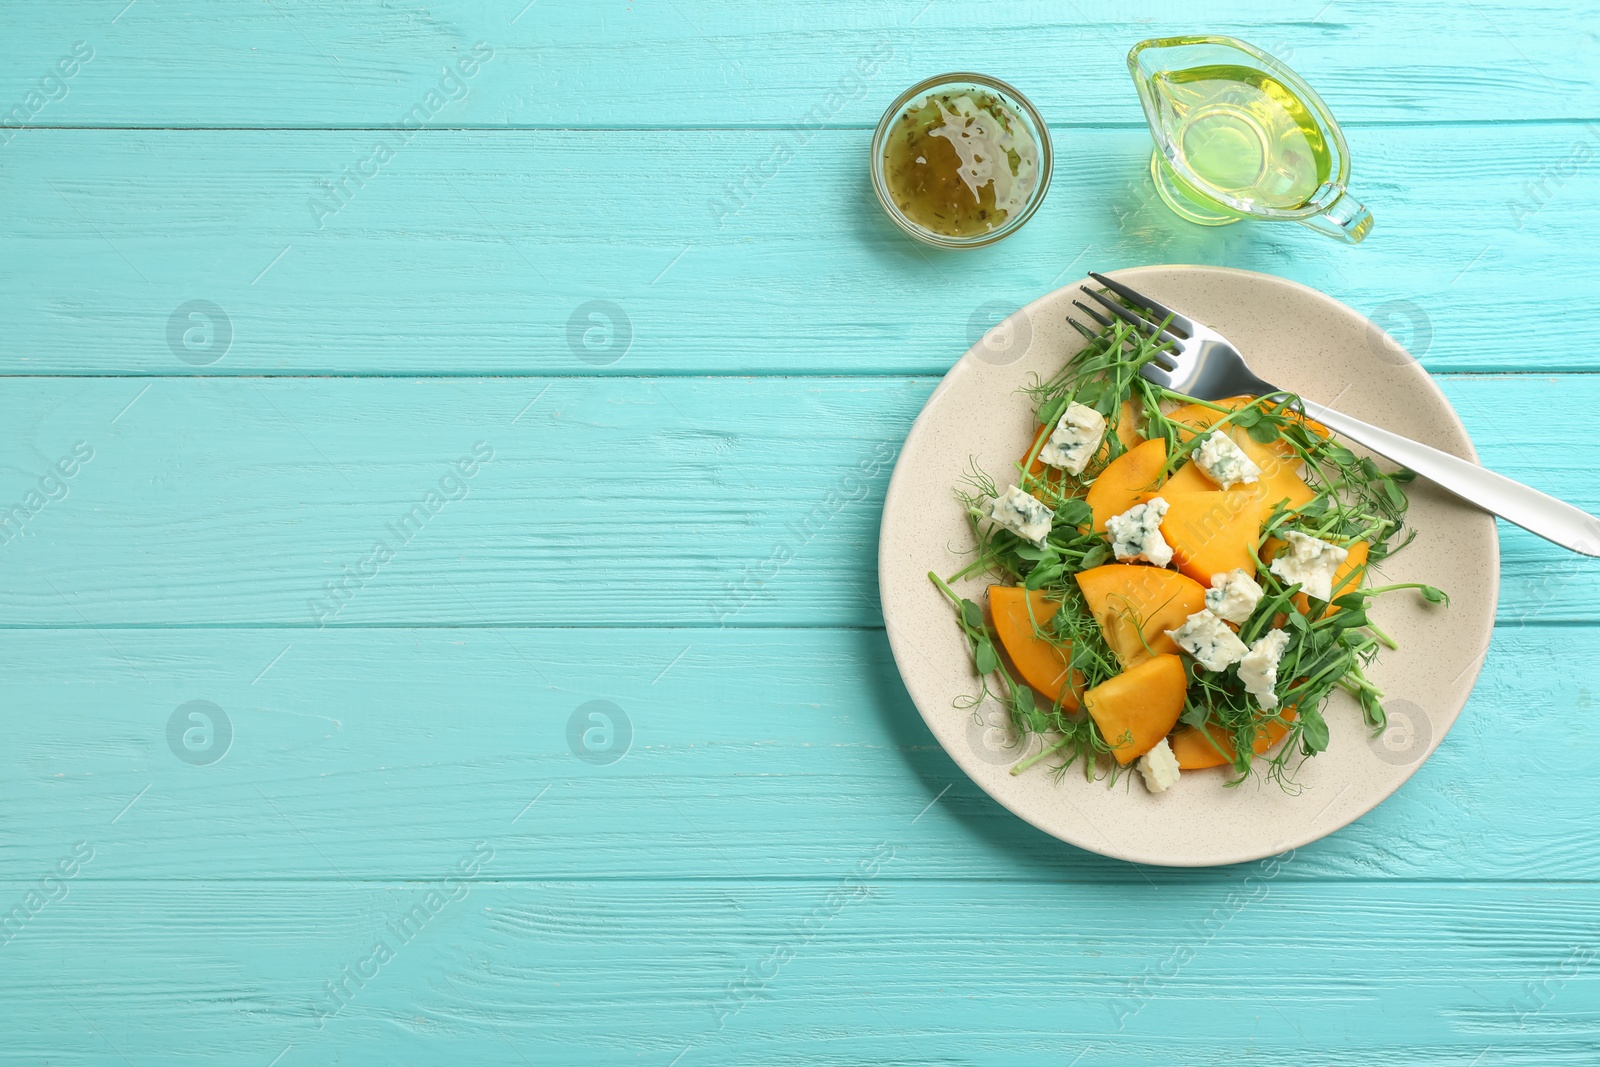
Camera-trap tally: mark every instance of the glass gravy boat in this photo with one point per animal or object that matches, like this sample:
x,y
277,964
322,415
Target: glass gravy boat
x,y
1240,135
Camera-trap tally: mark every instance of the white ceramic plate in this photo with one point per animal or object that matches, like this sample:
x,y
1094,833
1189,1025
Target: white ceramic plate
x,y
1292,336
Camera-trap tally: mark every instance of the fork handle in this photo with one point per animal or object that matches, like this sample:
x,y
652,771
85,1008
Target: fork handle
x,y
1536,512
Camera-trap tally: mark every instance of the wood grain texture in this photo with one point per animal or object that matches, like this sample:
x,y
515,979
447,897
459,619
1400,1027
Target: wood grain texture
x,y
478,253
748,754
783,868
673,501
289,63
862,969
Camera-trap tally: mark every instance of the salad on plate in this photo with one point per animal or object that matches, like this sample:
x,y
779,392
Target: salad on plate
x,y
1175,584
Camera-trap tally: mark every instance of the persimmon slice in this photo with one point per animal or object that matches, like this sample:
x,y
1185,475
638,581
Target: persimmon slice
x,y
1136,605
1138,707
1042,664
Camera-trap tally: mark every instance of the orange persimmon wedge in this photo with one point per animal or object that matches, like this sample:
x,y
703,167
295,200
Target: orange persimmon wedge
x,y
1188,479
1136,605
1042,664
1127,480
1195,753
1138,707
1214,532
1278,481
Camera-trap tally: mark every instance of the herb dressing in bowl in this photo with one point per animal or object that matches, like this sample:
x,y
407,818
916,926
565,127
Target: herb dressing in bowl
x,y
960,160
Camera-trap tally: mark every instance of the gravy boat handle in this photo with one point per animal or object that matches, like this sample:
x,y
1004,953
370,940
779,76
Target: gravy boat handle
x,y
1346,219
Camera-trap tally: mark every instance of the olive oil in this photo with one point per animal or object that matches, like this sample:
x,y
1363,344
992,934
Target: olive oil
x,y
1242,133
960,163
1239,135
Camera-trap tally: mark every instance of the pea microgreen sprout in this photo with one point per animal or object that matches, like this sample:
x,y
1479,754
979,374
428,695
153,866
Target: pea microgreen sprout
x,y
1329,645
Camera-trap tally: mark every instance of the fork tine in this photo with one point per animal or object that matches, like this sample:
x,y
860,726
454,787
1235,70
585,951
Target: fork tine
x,y
1153,372
1164,358
1105,323
1128,316
1143,301
1081,328
1091,312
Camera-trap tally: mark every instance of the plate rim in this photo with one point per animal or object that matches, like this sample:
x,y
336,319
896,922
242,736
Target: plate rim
x,y
951,379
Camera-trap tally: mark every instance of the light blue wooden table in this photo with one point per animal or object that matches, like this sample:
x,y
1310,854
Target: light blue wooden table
x,y
388,384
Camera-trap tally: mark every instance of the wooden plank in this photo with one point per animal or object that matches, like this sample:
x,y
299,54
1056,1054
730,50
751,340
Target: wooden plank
x,y
382,753
858,968
783,867
671,501
687,64
482,253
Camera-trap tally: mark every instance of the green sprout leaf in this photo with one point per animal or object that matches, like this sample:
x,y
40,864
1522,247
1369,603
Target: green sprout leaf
x,y
984,657
1074,513
1040,577
1264,432
1313,731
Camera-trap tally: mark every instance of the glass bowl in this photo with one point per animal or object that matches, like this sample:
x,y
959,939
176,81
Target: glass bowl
x,y
960,82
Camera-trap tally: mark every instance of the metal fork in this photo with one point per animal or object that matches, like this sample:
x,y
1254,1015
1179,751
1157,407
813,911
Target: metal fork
x,y
1201,363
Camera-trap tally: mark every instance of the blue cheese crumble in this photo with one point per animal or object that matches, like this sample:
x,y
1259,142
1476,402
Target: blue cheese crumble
x,y
1309,561
1258,670
1158,767
1136,533
1075,439
1208,639
1225,462
1233,595
1022,514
